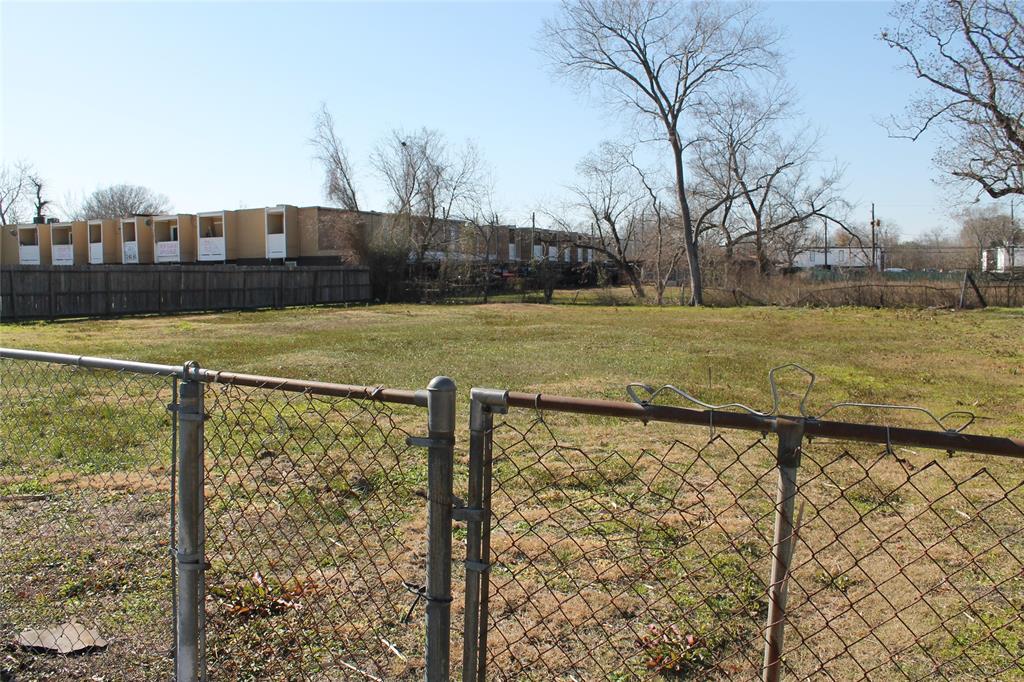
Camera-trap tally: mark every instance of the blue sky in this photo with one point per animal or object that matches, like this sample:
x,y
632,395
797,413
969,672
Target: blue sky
x,y
212,104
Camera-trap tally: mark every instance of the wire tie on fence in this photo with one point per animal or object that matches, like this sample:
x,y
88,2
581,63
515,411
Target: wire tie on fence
x,y
421,593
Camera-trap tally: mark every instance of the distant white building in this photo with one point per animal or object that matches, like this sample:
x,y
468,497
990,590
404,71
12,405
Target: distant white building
x,y
838,256
1003,258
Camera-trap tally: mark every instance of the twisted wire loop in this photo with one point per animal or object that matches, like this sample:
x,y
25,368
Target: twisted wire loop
x,y
618,557
85,511
644,394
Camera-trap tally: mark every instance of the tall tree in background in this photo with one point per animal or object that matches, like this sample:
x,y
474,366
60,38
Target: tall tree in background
x,y
121,200
985,227
339,185
615,206
431,185
659,60
37,186
771,183
14,190
970,56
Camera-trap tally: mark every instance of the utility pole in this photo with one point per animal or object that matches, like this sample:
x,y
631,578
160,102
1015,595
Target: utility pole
x,y
533,235
826,242
874,242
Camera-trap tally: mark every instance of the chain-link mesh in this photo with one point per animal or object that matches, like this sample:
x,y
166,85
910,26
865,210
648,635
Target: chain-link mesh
x,y
908,566
315,521
85,572
610,562
649,556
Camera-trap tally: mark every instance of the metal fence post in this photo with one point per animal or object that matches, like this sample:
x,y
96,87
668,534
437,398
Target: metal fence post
x,y
483,404
190,553
440,463
790,434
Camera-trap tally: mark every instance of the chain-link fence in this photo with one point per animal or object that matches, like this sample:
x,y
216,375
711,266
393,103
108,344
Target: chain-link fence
x,y
212,525
86,577
163,520
314,526
623,550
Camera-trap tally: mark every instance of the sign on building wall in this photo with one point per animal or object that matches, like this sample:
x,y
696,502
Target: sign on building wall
x,y
211,248
275,246
167,252
63,254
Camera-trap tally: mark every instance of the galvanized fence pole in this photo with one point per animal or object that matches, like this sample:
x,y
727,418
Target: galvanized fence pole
x,y
440,463
483,404
190,554
790,433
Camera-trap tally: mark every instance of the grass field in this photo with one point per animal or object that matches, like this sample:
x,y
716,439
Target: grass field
x,y
621,551
938,359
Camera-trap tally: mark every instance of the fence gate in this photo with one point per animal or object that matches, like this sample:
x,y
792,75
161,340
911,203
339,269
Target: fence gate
x,y
735,545
315,525
221,526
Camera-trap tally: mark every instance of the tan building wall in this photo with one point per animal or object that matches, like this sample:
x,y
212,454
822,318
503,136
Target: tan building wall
x,y
9,245
104,239
332,233
250,226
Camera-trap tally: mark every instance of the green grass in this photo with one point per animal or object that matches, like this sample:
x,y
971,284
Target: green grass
x,y
939,359
666,533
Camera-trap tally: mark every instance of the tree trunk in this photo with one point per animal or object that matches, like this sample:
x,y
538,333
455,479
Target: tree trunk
x,y
689,239
634,279
762,257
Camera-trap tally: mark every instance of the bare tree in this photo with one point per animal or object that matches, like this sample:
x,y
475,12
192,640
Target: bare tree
x,y
659,60
614,206
14,189
661,244
432,186
121,200
339,186
38,186
970,56
982,228
743,156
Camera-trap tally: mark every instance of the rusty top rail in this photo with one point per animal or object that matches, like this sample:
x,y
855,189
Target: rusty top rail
x,y
376,393
867,433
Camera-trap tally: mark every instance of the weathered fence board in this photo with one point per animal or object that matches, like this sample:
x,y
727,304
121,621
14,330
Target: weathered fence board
x,y
46,292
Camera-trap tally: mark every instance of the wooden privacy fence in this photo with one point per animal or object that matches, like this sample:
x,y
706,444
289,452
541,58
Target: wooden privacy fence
x,y
35,292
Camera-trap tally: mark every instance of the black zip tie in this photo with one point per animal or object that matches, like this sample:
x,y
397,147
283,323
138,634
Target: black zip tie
x,y
421,593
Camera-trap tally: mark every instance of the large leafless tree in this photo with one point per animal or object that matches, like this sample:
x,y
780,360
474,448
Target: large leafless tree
x,y
988,226
121,200
969,54
771,185
339,184
14,191
660,60
38,188
431,185
614,207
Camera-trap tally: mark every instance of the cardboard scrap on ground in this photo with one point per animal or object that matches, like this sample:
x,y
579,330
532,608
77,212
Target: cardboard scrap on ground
x,y
68,638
